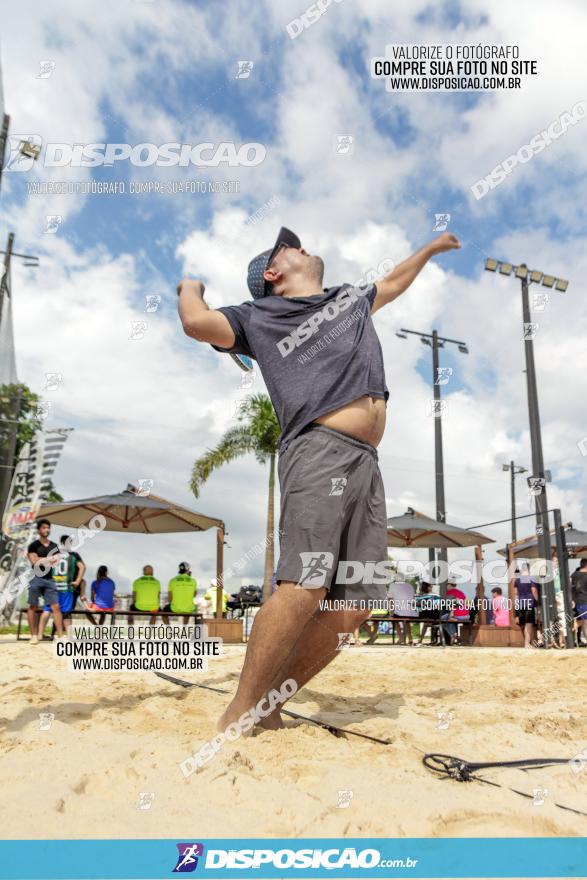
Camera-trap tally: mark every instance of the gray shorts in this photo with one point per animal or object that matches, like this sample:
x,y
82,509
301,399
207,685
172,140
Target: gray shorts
x,y
332,514
44,587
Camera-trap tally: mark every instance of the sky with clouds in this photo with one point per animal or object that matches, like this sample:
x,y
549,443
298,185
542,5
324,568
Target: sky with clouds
x,y
165,72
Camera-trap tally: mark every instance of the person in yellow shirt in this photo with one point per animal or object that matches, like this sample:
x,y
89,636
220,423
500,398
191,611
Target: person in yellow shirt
x,y
211,597
181,589
145,593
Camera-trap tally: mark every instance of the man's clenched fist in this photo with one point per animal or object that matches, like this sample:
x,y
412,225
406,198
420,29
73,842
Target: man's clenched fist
x,y
445,242
190,284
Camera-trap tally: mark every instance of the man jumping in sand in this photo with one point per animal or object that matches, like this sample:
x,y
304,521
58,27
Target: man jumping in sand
x,y
321,360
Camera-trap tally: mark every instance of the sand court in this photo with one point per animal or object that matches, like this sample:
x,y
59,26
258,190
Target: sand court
x,y
108,765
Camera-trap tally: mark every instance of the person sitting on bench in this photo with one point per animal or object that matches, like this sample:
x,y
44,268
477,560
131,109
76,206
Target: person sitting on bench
x,y
181,592
102,596
428,605
401,596
459,611
146,592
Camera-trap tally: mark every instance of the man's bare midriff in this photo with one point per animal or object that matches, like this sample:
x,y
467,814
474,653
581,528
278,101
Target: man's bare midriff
x,y
363,418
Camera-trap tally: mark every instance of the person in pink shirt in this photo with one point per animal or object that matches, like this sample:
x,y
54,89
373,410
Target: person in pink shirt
x,y
501,614
460,612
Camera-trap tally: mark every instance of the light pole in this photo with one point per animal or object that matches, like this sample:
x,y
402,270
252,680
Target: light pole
x,y
10,403
5,285
513,469
3,139
537,481
437,342
28,260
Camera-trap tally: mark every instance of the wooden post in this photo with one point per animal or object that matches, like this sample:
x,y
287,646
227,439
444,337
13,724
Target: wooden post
x,y
511,583
219,569
480,585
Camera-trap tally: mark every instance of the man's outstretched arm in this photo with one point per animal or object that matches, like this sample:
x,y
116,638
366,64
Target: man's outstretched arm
x,y
400,278
198,320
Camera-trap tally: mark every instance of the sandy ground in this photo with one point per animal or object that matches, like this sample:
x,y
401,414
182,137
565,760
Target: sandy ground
x,y
117,735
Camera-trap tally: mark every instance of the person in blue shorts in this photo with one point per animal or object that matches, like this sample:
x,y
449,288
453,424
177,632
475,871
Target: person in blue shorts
x,y
43,554
68,576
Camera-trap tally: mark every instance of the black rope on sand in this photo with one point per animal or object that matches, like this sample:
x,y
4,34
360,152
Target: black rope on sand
x,y
444,766
447,766
331,728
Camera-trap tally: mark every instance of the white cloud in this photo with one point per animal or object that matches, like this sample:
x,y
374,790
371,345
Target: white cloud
x,y
148,408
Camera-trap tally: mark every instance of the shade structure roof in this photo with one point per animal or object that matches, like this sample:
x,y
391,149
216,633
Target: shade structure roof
x,y
129,511
527,548
414,529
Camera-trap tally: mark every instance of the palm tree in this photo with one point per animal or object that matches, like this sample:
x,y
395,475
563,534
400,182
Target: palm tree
x,y
258,433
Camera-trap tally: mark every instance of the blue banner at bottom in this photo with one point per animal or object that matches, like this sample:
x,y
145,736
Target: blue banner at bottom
x,y
280,858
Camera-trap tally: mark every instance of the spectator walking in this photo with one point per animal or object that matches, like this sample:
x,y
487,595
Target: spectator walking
x,y
527,599
579,596
68,576
42,555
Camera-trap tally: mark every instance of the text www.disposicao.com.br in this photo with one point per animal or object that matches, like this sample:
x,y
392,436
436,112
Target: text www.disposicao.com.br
x,y
134,664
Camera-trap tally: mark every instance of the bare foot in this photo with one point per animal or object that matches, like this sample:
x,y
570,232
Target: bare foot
x,y
232,715
273,721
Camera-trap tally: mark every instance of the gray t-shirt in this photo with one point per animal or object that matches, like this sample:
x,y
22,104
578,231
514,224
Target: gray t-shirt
x,y
316,353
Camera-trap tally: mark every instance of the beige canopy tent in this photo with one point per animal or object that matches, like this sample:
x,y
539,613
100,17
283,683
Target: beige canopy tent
x,y
415,529
131,511
527,548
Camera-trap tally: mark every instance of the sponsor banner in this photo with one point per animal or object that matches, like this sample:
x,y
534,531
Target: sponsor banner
x,y
281,858
18,523
30,482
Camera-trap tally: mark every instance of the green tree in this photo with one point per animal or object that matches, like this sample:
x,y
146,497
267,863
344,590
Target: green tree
x,y
19,421
258,432
18,406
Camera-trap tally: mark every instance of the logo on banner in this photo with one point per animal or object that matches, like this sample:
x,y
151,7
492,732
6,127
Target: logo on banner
x,y
187,860
29,481
19,517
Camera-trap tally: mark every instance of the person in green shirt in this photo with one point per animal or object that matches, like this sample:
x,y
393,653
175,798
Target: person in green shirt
x,y
145,593
181,589
211,597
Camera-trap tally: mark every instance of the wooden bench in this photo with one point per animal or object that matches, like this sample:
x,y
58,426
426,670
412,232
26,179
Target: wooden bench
x,y
197,616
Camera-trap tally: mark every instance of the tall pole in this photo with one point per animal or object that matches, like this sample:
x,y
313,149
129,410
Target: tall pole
x,y
513,493
438,454
513,470
539,489
5,282
542,525
565,581
436,342
3,139
219,569
8,434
